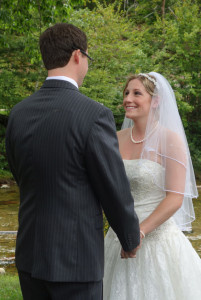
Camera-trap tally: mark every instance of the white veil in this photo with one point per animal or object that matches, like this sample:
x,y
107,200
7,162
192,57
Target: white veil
x,y
165,143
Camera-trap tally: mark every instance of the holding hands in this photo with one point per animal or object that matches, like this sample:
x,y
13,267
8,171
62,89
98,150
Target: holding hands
x,y
132,253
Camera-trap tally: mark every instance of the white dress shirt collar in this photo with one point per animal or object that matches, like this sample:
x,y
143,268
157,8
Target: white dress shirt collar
x,y
64,78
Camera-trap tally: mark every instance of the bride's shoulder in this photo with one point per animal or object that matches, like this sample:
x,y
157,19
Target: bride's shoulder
x,y
171,136
174,144
123,133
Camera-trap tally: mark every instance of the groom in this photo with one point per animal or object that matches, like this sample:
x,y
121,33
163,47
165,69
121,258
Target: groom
x,y
63,152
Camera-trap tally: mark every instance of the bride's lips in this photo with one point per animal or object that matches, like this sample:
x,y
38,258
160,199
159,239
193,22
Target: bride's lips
x,y
130,107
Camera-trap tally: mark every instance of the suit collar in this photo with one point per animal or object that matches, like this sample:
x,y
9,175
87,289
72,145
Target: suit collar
x,y
65,78
54,83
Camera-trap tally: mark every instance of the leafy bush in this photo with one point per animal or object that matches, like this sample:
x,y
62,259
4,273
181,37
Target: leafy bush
x,y
141,38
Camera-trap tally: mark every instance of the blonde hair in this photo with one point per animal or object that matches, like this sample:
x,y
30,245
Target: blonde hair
x,y
148,84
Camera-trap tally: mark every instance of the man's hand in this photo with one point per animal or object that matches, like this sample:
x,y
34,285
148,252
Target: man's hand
x,y
129,254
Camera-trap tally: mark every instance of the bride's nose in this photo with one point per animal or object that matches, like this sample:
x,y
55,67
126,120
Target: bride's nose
x,y
128,99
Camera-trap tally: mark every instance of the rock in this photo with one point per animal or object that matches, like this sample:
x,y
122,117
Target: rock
x,y
2,271
5,186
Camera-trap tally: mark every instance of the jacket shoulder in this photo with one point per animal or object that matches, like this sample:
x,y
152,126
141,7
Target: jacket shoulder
x,y
93,103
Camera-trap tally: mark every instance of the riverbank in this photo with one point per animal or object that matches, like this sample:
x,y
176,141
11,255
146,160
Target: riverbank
x,y
6,178
10,287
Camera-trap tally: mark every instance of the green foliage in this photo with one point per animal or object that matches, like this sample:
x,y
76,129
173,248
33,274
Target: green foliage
x,y
12,88
169,44
105,224
30,16
21,23
124,37
112,49
120,47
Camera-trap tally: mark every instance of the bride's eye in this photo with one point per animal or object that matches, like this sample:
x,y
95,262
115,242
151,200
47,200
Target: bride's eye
x,y
126,93
137,93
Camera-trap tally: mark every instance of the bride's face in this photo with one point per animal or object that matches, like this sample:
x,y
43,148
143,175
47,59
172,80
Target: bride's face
x,y
137,100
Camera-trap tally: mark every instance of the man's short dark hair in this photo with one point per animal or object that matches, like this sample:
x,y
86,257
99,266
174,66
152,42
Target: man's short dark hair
x,y
58,42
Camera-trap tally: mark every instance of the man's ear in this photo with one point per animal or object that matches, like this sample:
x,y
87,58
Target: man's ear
x,y
76,56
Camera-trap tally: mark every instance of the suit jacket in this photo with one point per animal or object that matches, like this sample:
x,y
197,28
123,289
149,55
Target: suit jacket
x,y
63,152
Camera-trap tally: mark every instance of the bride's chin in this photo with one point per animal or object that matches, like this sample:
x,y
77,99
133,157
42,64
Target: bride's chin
x,y
129,115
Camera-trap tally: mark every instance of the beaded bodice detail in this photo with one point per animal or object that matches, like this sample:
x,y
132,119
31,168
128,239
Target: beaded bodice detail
x,y
147,195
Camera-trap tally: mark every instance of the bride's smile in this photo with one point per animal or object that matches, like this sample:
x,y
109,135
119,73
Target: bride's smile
x,y
137,100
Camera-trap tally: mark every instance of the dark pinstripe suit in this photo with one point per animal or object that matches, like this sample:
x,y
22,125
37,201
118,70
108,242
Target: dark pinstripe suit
x,y
63,152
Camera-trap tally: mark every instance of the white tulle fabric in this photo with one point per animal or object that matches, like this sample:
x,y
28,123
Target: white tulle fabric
x,y
167,145
166,267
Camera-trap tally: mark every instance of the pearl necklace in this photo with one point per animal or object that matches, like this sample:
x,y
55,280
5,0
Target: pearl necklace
x,y
141,141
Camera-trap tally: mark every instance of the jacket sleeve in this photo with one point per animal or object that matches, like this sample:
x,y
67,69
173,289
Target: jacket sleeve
x,y
9,150
109,181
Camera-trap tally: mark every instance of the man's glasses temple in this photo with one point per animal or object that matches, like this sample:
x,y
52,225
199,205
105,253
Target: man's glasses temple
x,y
83,52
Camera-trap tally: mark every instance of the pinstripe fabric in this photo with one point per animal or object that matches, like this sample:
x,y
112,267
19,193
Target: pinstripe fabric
x,y
63,152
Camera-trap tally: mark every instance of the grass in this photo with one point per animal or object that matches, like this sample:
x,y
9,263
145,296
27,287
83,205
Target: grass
x,y
10,287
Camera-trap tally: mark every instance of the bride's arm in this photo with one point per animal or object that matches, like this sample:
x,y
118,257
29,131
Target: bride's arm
x,y
175,178
171,203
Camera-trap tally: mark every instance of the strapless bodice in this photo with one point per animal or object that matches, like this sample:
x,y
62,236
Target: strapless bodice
x,y
147,195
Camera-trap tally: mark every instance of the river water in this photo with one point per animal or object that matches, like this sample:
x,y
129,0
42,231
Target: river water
x,y
9,204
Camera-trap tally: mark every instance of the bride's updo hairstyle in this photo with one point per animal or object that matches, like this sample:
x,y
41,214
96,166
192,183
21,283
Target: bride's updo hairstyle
x,y
147,83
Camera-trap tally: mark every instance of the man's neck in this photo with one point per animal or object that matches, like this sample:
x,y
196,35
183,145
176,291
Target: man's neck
x,y
62,72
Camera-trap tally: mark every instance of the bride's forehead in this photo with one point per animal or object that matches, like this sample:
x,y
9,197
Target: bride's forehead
x,y
135,84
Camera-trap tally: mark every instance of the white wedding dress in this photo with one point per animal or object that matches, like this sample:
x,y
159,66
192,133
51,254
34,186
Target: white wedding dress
x,y
166,267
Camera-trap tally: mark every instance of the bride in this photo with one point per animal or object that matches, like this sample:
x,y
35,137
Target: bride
x,y
156,156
